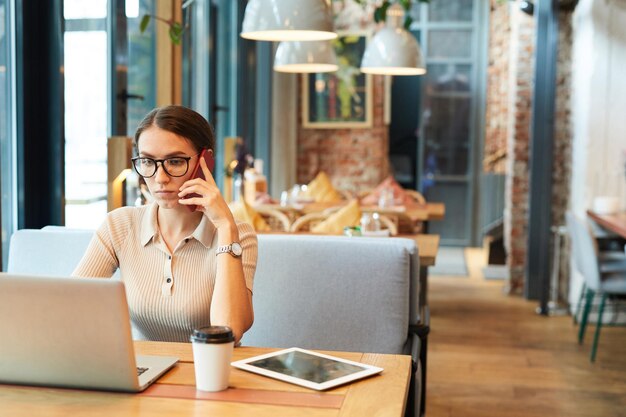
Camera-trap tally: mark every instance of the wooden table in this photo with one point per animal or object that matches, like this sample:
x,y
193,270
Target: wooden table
x,y
436,211
427,245
416,212
616,222
248,395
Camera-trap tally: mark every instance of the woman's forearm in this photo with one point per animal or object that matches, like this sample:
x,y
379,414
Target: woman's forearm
x,y
232,301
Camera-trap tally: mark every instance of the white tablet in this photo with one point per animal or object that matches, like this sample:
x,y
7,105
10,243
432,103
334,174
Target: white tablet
x,y
307,368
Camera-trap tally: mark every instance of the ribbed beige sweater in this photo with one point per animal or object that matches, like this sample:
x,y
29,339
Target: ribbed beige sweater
x,y
169,294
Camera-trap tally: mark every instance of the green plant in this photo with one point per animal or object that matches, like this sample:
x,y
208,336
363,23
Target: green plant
x,y
380,13
176,30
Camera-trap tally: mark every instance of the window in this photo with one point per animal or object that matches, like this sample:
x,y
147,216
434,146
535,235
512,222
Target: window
x,y
142,85
7,144
88,81
85,63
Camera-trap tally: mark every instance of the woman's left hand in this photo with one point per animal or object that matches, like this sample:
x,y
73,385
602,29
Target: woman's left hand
x,y
209,200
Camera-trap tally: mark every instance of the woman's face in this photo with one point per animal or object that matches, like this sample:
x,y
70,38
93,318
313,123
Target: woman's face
x,y
157,143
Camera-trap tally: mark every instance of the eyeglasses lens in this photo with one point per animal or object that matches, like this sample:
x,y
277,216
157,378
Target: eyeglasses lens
x,y
174,167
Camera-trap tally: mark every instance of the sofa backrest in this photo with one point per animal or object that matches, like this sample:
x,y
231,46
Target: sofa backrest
x,y
335,293
322,292
52,251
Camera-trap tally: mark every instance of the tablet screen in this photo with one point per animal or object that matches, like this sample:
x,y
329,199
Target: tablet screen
x,y
302,365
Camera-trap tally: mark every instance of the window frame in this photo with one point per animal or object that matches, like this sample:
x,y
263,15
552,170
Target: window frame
x,y
8,157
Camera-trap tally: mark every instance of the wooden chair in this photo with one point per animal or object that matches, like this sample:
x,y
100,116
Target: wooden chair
x,y
304,223
276,220
406,225
416,196
387,223
331,210
347,195
362,194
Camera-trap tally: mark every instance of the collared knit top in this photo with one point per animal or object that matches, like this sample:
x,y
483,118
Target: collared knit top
x,y
169,294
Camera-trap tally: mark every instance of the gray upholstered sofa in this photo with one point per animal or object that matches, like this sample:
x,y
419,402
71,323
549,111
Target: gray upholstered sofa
x,y
320,292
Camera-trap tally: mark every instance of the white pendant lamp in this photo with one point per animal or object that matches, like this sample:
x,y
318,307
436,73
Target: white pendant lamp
x,y
305,57
393,50
288,20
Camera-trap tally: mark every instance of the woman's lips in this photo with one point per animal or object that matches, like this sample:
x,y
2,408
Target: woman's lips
x,y
165,193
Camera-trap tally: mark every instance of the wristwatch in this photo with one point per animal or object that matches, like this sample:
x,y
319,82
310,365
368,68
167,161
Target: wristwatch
x,y
234,249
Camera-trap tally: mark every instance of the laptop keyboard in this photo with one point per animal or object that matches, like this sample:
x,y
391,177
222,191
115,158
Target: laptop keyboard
x,y
141,370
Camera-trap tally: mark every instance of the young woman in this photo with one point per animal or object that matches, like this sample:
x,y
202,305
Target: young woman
x,y
182,269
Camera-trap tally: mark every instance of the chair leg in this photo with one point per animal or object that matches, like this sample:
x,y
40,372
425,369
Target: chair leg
x,y
423,354
583,322
596,336
580,303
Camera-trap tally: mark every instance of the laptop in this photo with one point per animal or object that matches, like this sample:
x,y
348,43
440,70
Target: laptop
x,y
71,332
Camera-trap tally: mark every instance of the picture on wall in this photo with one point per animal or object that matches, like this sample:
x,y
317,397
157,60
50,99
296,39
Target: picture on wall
x,y
343,98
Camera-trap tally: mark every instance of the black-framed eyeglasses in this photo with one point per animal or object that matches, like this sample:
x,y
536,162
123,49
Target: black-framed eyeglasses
x,y
176,166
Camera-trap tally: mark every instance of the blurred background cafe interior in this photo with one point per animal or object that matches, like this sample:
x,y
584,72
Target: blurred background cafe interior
x,y
498,131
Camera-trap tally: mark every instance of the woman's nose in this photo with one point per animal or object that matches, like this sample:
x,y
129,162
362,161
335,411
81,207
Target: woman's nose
x,y
160,175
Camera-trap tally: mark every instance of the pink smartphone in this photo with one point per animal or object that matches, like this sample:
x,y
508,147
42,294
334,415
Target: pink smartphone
x,y
207,154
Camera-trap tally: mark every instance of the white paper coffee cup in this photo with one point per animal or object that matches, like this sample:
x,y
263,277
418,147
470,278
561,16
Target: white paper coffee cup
x,y
212,352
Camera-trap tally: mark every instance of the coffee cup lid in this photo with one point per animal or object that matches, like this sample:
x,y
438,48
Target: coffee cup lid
x,y
212,334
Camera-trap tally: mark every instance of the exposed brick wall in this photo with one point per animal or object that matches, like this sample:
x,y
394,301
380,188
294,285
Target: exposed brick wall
x,y
354,159
497,111
517,167
507,133
563,139
508,124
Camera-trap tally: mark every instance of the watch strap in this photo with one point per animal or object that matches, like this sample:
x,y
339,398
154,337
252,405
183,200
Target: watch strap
x,y
229,249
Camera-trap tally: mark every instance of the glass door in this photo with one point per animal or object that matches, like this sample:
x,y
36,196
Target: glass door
x,y
435,146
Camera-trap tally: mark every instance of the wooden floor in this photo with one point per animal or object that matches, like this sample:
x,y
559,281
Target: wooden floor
x,y
491,355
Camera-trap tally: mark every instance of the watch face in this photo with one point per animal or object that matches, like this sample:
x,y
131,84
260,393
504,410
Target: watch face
x,y
236,249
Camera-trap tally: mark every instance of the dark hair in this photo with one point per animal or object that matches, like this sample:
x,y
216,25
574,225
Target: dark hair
x,y
182,121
